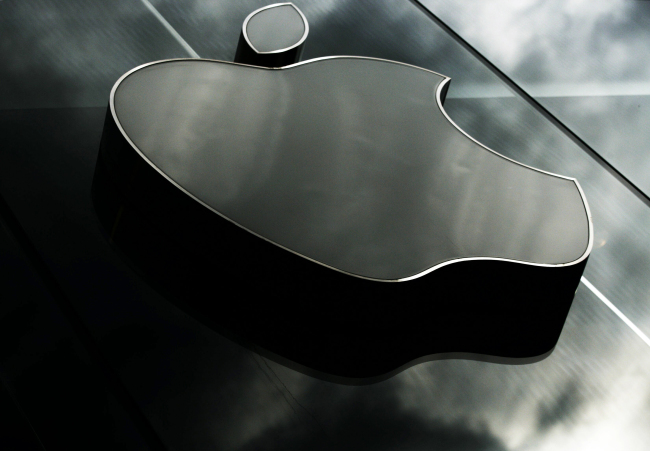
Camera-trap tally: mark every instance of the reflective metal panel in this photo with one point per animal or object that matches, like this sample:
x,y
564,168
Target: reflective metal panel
x,y
350,162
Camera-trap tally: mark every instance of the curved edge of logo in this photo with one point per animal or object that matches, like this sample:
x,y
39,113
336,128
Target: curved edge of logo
x,y
440,92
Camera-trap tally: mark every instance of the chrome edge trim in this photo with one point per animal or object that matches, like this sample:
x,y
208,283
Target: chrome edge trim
x,y
438,100
275,5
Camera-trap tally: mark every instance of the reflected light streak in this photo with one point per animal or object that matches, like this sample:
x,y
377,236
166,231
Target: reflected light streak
x,y
171,29
589,89
468,91
613,308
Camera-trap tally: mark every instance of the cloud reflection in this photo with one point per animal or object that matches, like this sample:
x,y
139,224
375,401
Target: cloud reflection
x,y
585,61
595,383
541,41
207,393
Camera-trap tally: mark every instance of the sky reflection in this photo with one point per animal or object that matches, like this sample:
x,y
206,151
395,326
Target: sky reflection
x,y
201,391
592,393
561,52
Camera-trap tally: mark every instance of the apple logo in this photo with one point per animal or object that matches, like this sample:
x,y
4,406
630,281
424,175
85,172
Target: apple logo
x,y
330,214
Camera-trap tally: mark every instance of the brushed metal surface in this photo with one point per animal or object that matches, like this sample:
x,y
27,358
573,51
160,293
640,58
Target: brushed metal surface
x,y
350,162
274,29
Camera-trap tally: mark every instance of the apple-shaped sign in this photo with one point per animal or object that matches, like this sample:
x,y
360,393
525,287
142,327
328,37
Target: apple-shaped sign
x,y
331,213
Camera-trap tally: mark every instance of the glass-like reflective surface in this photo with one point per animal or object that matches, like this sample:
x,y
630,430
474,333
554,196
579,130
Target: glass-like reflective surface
x,y
69,54
198,390
585,61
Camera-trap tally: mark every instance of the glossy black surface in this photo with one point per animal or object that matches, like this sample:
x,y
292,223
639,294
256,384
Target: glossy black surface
x,y
310,178
53,393
197,389
308,317
349,162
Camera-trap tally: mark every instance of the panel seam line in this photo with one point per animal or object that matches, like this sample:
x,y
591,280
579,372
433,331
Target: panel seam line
x,y
518,90
613,308
171,29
